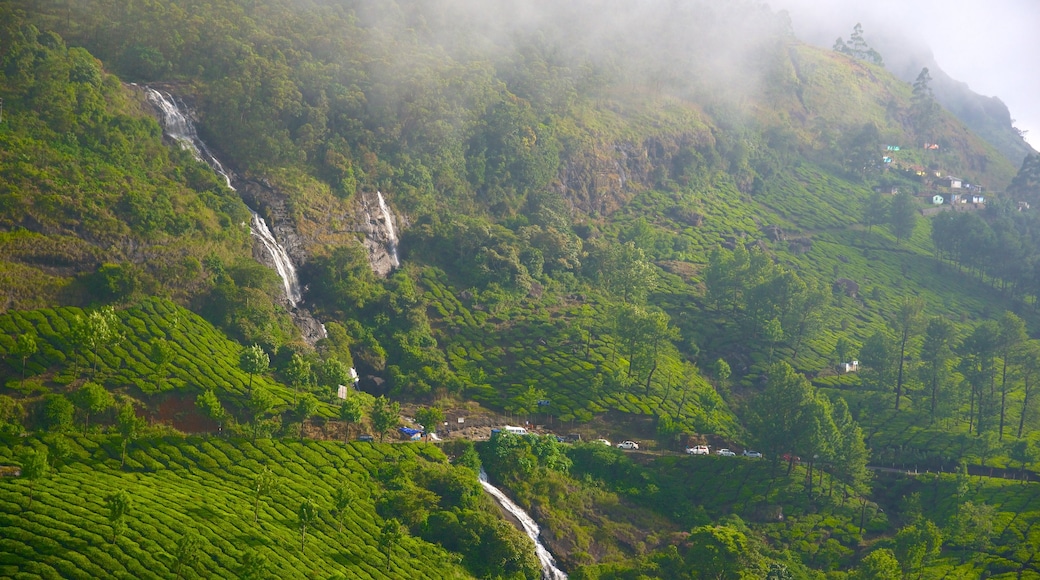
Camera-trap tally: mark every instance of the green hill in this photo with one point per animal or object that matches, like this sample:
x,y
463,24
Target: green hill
x,y
656,225
206,488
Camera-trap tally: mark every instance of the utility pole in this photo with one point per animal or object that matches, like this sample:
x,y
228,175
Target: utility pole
x,y
1,109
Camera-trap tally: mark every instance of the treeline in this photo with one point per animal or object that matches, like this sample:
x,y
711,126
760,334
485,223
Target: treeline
x,y
985,377
998,246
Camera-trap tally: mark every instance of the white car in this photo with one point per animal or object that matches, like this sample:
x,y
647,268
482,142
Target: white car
x,y
698,450
726,453
752,454
628,445
603,442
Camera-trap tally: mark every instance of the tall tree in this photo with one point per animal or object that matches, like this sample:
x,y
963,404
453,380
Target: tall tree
x,y
627,273
936,353
254,361
24,347
902,215
879,359
385,415
1011,336
99,329
129,425
305,516
978,353
1030,372
429,417
924,110
160,354
305,409
261,402
332,373
907,323
60,413
850,455
92,398
34,468
263,483
350,412
298,373
120,504
778,417
389,537
342,497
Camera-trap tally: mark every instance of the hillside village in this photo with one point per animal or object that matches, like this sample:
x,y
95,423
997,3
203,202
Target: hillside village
x,y
362,274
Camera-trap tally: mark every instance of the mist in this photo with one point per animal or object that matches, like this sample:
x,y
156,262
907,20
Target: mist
x,y
991,46
681,47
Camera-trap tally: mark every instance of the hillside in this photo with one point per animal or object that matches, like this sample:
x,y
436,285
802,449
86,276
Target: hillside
x,y
674,223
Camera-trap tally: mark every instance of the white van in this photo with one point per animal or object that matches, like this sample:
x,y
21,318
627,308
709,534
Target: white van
x,y
515,430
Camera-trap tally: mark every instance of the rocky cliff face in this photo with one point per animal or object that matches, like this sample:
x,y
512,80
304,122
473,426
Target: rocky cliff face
x,y
602,179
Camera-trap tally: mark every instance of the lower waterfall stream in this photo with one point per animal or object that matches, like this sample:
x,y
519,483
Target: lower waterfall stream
x,y
549,569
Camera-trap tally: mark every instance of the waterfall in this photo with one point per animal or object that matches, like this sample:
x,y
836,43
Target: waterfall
x,y
179,127
549,569
391,242
282,264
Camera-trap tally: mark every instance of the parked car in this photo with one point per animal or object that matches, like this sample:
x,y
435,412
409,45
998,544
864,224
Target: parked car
x,y
698,450
367,438
628,445
752,454
726,453
603,442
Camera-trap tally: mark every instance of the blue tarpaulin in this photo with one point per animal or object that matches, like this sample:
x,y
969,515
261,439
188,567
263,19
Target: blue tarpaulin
x,y
413,433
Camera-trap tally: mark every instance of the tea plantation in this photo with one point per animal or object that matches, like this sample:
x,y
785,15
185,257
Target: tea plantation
x,y
207,487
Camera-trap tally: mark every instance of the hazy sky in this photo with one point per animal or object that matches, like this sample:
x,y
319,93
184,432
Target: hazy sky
x,y
992,45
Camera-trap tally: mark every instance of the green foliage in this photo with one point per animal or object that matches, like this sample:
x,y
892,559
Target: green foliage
x,y
430,418
254,361
203,487
879,565
385,416
120,507
92,399
34,468
210,405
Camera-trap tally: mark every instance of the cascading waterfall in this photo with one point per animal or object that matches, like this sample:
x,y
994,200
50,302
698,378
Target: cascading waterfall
x,y
391,243
180,128
282,264
549,569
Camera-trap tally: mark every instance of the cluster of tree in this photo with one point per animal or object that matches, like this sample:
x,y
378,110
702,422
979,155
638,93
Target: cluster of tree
x,y
789,419
988,368
445,504
998,245
771,305
857,47
898,212
81,131
728,550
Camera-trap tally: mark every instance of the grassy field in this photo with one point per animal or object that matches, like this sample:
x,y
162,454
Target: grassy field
x,y
206,485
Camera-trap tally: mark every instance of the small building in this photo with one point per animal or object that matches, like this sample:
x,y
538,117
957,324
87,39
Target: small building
x,y
977,198
951,182
848,367
953,198
887,189
1023,205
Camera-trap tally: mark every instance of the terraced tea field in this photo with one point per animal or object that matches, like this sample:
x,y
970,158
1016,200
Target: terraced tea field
x,y
207,485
